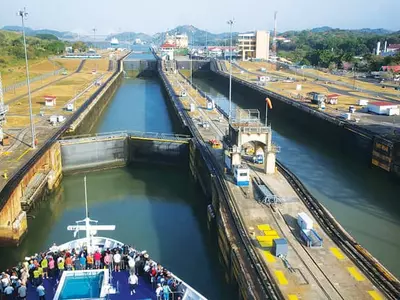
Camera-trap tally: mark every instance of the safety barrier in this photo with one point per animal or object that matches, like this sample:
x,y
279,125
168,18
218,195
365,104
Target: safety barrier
x,y
32,80
17,177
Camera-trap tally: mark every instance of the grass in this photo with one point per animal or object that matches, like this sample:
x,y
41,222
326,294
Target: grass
x,y
69,64
64,90
16,73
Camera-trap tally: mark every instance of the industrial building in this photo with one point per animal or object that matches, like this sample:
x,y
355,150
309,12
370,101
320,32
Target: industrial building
x,y
254,45
383,108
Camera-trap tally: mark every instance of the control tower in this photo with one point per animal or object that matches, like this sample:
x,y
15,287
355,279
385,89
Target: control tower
x,y
247,128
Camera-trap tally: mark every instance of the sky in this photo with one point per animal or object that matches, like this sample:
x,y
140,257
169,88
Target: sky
x,y
152,16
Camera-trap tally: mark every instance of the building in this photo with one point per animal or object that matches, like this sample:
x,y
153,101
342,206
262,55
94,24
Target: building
x,y
383,108
50,100
394,69
254,45
393,48
179,40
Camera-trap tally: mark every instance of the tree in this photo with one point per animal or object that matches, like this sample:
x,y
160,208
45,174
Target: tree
x,y
47,36
80,46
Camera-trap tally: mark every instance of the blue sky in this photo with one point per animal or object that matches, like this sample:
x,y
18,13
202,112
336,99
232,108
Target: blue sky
x,y
152,16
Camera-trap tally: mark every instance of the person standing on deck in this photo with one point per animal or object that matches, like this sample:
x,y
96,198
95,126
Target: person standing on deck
x,y
52,266
166,290
131,264
41,292
117,261
9,292
107,261
89,261
97,259
22,292
60,266
44,263
82,260
133,282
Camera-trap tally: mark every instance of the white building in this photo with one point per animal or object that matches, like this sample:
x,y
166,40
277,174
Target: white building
x,y
254,45
179,40
383,108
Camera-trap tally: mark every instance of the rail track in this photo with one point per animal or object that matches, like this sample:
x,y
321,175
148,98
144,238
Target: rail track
x,y
381,277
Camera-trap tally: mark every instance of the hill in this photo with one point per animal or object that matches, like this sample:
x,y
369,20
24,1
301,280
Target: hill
x,y
32,32
130,36
199,36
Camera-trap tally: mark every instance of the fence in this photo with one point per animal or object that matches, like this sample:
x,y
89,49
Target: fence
x,y
35,79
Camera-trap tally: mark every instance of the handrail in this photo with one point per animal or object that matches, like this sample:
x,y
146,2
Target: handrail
x,y
17,177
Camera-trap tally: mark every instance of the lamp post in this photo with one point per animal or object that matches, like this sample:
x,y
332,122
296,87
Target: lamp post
x,y
230,22
94,38
191,61
23,14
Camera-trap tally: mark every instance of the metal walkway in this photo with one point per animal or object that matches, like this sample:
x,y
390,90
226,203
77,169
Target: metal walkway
x,y
134,135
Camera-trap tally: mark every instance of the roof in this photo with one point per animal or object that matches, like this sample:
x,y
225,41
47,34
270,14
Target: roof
x,y
49,97
168,45
382,103
280,241
394,46
392,68
332,95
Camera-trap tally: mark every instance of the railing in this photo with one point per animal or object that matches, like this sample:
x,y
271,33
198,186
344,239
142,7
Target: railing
x,y
34,79
125,133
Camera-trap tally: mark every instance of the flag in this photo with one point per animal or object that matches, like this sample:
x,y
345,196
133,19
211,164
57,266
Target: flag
x,y
269,103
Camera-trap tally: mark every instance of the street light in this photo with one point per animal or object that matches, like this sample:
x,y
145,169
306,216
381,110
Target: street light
x,y
23,14
230,22
191,61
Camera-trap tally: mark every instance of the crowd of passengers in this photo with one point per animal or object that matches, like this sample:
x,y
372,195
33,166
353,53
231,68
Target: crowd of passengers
x,y
51,265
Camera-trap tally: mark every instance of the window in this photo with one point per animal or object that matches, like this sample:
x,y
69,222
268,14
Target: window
x,y
243,174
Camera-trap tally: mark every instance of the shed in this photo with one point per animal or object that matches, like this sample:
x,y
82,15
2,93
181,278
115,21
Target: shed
x,y
332,98
383,108
304,221
70,107
279,247
50,100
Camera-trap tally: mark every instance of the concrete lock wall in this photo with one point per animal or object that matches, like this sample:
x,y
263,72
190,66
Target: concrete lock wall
x,y
159,152
197,65
94,154
13,223
140,65
107,152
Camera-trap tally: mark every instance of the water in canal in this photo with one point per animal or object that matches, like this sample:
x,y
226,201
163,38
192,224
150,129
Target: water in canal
x,y
365,201
155,208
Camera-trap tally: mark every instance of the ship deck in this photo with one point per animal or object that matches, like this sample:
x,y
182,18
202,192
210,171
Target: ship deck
x,y
144,290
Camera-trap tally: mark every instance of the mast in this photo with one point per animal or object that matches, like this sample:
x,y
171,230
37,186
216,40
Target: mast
x,y
87,220
89,228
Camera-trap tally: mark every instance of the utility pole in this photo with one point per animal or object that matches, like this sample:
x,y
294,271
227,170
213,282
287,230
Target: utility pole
x,y
23,14
206,43
274,38
94,37
191,61
230,22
